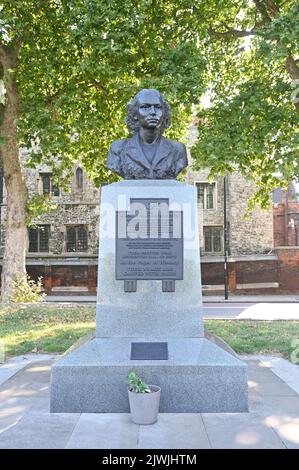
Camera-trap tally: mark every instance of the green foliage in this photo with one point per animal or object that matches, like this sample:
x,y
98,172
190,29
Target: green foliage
x,y
26,290
38,206
81,61
51,328
252,125
136,384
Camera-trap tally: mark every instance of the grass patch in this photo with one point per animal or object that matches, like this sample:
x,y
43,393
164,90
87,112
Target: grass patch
x,y
55,329
43,329
257,337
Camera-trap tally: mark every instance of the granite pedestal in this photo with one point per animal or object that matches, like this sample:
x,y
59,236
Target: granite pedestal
x,y
198,376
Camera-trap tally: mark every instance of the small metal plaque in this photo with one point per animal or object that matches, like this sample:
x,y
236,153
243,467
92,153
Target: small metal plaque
x,y
149,351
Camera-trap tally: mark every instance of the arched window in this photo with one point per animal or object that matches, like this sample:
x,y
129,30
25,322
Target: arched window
x,y
46,184
79,178
82,239
39,239
76,238
71,239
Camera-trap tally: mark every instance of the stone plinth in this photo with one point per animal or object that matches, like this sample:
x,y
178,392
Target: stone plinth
x,y
149,311
198,376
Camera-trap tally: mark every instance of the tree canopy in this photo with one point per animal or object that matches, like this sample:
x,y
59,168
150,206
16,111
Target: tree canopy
x,y
252,123
80,61
68,68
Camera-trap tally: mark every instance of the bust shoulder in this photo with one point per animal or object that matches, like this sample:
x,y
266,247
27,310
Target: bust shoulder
x,y
118,145
178,146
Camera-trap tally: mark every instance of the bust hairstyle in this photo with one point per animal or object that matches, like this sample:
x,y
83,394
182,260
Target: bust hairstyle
x,y
132,107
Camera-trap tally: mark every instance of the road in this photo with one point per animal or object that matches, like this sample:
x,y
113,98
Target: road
x,y
252,311
224,310
267,308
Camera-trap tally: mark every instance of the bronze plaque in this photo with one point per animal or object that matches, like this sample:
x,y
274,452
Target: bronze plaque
x,y
149,241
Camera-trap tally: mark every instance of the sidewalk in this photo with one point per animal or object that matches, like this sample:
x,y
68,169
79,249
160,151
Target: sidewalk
x,y
272,421
206,298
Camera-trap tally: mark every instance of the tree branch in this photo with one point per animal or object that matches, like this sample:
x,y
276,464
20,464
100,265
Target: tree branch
x,y
292,67
272,7
261,7
231,32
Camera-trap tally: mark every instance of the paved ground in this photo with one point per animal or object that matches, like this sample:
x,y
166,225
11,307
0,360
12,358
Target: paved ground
x,y
272,422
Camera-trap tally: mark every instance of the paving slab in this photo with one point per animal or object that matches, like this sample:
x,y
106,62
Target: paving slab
x,y
286,427
104,431
31,381
263,375
240,431
15,364
273,420
285,370
39,430
175,431
271,405
271,388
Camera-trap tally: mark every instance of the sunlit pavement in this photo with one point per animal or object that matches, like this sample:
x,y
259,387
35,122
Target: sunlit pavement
x,y
272,422
247,311
238,307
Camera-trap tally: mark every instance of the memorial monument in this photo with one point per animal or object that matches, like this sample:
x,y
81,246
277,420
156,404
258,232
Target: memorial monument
x,y
149,304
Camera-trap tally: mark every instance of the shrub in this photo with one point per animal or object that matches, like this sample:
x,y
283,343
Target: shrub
x,y
26,290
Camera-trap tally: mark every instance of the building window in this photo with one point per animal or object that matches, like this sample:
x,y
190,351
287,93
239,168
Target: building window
x,y
213,239
39,239
76,239
206,195
48,186
79,178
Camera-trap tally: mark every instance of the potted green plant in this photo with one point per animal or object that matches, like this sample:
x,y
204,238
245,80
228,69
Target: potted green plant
x,y
144,400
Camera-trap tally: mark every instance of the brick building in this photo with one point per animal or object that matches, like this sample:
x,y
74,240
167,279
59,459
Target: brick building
x,y
252,264
63,248
286,217
286,237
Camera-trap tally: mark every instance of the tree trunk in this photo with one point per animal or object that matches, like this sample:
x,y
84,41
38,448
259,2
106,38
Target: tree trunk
x,y
16,232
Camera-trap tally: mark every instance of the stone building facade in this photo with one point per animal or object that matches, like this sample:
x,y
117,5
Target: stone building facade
x,y
63,244
63,247
252,264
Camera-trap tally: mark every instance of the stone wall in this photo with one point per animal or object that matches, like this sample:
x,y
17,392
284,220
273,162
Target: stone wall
x,y
252,235
75,207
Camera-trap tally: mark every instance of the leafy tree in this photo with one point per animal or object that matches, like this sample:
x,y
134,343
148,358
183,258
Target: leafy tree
x,y
252,125
68,67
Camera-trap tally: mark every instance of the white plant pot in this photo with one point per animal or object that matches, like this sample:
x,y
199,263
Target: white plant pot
x,y
145,406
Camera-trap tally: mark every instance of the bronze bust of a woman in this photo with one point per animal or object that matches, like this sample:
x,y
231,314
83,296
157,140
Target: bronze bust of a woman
x,y
147,155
